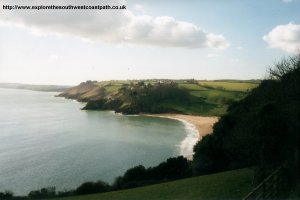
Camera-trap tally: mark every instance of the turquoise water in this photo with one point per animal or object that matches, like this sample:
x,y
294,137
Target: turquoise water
x,y
49,141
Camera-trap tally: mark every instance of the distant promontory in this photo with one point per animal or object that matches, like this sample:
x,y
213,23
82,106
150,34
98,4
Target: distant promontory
x,y
208,98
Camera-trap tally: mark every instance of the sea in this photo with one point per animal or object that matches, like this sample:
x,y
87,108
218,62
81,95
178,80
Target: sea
x,y
48,141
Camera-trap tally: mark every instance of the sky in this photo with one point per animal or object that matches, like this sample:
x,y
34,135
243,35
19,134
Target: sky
x,y
172,39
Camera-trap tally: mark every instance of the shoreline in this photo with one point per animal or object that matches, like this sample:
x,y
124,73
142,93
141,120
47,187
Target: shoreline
x,y
195,127
204,125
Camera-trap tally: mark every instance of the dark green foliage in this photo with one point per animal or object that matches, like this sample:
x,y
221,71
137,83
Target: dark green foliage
x,y
6,195
85,188
135,174
146,98
262,129
95,105
48,192
141,98
92,187
173,168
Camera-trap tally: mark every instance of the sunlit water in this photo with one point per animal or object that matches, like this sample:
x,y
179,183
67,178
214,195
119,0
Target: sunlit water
x,y
49,141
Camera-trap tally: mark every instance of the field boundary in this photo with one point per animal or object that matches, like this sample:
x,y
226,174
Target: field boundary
x,y
269,188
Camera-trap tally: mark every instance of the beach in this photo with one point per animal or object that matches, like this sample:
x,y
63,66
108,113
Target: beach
x,y
204,125
196,127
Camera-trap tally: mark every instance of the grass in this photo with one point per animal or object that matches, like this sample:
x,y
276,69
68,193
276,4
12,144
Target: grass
x,y
196,108
294,194
111,88
210,99
225,185
218,96
191,87
240,86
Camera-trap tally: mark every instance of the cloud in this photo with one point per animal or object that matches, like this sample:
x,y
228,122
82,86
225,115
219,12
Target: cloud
x,y
285,37
112,26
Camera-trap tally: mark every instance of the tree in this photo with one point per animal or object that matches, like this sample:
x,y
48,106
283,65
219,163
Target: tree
x,y
284,67
92,187
173,168
6,195
47,192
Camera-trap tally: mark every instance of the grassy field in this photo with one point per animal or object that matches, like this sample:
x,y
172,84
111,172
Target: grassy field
x,y
218,96
191,87
230,85
196,107
226,185
212,97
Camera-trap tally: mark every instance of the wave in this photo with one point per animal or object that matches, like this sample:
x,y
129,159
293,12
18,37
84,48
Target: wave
x,y
186,146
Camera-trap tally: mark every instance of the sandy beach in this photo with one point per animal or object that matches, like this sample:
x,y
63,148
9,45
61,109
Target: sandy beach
x,y
202,124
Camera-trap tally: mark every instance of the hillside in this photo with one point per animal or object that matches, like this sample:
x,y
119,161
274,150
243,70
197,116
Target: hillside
x,y
161,96
226,185
260,130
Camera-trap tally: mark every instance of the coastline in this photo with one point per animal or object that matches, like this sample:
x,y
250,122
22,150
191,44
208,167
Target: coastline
x,y
204,125
196,127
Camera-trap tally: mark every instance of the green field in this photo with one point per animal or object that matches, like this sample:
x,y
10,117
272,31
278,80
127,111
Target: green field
x,y
226,185
212,97
111,88
218,96
191,87
230,85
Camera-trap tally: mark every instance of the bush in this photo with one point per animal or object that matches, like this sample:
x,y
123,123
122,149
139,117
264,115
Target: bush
x,y
92,187
48,192
173,168
6,195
